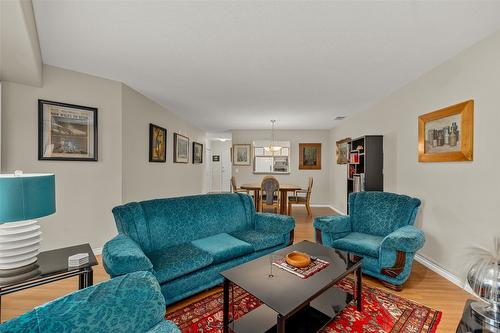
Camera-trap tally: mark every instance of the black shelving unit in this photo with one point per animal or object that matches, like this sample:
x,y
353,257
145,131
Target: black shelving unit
x,y
365,170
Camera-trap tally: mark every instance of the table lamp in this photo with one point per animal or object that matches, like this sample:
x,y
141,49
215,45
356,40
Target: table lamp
x,y
23,198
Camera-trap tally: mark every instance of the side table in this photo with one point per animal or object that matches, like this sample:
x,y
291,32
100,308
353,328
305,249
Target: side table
x,y
470,324
51,266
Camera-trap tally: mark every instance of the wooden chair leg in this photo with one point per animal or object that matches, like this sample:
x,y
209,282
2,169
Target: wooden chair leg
x,y
308,207
289,209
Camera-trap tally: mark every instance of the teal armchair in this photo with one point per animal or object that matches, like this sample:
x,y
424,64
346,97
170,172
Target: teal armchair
x,y
129,303
379,228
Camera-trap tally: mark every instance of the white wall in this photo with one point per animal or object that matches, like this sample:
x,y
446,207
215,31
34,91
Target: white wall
x,y
321,190
20,57
86,191
142,179
460,199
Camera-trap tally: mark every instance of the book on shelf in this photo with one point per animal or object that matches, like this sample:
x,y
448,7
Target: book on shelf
x,y
358,182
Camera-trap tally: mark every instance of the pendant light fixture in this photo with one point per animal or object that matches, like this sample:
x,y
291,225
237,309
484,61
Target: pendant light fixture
x,y
273,146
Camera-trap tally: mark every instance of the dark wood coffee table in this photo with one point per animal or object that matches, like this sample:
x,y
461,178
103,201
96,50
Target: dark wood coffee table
x,y
292,304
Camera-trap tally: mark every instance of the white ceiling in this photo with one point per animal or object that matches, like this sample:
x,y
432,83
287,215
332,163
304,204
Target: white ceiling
x,y
235,65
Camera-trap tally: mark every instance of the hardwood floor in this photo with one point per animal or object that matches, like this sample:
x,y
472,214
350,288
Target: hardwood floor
x,y
424,286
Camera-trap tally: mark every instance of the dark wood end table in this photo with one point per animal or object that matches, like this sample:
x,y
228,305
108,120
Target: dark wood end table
x,y
290,303
50,266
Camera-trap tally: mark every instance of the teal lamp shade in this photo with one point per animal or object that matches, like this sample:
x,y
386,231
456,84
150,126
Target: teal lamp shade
x,y
26,196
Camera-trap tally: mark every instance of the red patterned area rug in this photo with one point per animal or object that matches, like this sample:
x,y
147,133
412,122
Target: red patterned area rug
x,y
383,312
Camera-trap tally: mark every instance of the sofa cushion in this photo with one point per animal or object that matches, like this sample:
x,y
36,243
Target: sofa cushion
x,y
359,243
172,262
223,247
260,240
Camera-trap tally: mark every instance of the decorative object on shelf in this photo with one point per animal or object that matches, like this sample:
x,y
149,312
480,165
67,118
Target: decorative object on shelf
x,y
298,259
354,157
309,156
78,259
343,151
157,143
242,154
23,198
66,132
181,148
446,135
273,145
484,279
197,153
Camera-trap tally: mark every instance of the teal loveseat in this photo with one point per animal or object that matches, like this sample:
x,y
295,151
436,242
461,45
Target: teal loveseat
x,y
187,241
130,303
379,228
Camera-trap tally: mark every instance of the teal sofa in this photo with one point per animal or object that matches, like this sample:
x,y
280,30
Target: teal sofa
x,y
130,303
379,228
187,241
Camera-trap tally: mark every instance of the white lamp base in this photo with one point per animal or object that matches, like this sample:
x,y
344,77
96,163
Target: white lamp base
x,y
19,243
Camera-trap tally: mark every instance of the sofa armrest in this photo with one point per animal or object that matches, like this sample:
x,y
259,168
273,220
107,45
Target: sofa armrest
x,y
274,223
121,255
405,239
165,326
335,224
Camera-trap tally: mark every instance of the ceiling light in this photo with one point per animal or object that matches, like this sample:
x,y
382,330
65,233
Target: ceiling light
x,y
273,146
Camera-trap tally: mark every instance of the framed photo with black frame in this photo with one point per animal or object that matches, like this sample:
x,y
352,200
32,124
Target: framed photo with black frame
x,y
66,132
157,144
197,153
181,148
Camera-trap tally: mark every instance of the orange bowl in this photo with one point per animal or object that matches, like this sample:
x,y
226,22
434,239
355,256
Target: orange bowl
x,y
298,259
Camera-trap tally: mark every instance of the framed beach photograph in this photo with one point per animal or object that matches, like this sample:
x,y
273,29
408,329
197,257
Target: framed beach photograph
x,y
343,151
181,148
446,135
309,156
157,144
197,153
242,154
66,132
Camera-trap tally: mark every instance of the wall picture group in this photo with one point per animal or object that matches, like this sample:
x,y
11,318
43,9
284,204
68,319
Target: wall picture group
x,y
158,147
66,132
446,135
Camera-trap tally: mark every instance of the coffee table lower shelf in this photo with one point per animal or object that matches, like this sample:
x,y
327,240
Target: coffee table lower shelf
x,y
312,318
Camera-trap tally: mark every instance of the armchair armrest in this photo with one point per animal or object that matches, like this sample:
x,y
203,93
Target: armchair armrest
x,y
121,255
274,223
405,239
335,224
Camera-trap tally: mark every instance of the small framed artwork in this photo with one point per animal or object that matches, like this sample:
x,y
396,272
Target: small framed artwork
x,y
66,132
446,135
157,143
309,156
197,153
181,148
343,151
242,154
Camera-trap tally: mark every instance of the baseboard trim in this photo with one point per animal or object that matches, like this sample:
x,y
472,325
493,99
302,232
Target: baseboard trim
x,y
97,251
443,272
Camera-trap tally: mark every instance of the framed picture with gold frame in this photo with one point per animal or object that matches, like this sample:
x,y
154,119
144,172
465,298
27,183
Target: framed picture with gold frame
x,y
309,156
342,151
447,135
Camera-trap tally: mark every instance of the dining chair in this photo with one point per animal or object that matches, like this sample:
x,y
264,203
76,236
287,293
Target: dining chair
x,y
235,188
301,197
269,192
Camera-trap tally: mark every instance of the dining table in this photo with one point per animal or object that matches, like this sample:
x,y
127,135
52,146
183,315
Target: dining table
x,y
283,197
